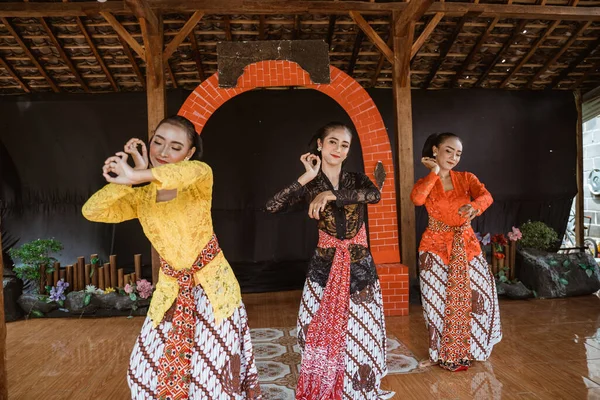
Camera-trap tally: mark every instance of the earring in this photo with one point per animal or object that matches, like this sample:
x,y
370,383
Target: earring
x,y
435,154
319,148
187,159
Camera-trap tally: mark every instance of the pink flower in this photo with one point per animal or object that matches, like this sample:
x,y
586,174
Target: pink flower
x,y
128,289
515,234
144,288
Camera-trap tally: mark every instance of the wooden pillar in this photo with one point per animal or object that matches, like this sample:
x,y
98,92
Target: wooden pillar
x,y
152,32
579,231
3,378
403,39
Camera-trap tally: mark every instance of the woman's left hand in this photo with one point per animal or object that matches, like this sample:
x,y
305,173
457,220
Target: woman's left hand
x,y
468,212
319,203
117,164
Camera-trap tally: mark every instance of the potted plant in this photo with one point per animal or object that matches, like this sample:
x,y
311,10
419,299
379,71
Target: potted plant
x,y
32,256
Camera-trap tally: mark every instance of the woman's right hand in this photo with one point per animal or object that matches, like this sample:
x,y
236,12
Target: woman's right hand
x,y
312,164
431,164
139,159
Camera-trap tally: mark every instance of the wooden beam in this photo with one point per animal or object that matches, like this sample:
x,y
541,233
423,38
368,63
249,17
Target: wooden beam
x,y
227,24
297,30
142,10
197,58
531,52
473,52
3,369
412,13
582,27
585,75
132,61
372,35
261,27
580,58
171,74
234,7
579,231
445,49
357,43
182,34
99,58
403,41
425,34
14,75
29,54
123,33
65,58
331,29
382,58
515,33
155,91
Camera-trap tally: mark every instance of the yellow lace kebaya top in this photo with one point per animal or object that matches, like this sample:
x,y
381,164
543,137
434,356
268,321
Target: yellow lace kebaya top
x,y
178,229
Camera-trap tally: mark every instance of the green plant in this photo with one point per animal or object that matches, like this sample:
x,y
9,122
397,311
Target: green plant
x,y
34,254
537,235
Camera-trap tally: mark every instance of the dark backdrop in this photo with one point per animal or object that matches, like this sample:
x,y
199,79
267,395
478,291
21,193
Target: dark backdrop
x,y
520,144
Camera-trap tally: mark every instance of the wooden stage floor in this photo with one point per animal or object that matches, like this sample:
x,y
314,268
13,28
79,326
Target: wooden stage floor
x,y
550,350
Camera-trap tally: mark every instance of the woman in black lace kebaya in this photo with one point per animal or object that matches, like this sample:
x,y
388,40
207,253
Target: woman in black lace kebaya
x,y
341,328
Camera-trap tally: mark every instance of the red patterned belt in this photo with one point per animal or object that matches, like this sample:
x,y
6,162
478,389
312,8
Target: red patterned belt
x,y
175,364
455,351
322,370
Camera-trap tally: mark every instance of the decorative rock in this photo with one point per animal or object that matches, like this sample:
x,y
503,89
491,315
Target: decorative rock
x,y
553,275
32,303
12,290
75,303
119,302
515,291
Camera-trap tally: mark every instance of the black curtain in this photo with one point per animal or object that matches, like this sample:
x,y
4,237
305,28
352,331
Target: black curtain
x,y
520,144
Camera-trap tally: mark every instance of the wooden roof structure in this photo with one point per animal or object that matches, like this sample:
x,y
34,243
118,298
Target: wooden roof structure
x,y
78,46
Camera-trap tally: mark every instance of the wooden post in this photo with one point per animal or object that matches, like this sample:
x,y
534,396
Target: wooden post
x,y
62,275
81,272
56,273
49,278
106,275
579,173
403,39
70,277
42,278
152,32
3,378
137,262
133,278
75,278
121,279
113,271
94,269
88,270
101,278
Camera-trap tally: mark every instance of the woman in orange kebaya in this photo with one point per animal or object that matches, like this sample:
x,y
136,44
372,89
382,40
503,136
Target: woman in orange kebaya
x,y
458,290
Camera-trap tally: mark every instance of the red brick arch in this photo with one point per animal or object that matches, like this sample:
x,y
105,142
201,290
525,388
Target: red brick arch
x,y
383,225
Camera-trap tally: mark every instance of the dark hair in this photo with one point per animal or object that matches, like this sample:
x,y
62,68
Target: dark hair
x,y
190,130
436,139
323,132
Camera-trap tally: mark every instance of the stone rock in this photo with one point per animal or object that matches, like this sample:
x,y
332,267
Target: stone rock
x,y
75,303
501,288
31,303
12,290
515,291
553,275
119,302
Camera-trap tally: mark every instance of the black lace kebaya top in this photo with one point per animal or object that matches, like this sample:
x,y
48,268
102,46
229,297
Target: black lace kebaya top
x,y
342,219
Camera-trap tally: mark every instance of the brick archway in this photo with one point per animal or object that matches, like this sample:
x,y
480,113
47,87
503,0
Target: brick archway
x,y
383,225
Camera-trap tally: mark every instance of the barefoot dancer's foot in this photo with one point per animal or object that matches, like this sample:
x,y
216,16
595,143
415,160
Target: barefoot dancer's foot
x,y
427,363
